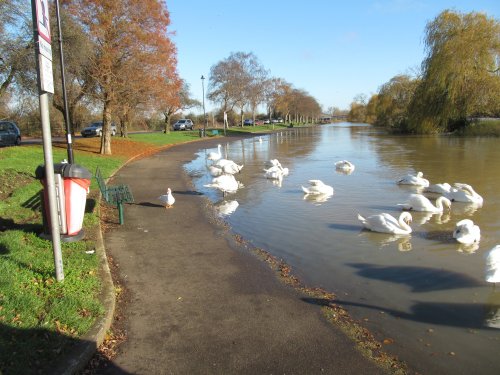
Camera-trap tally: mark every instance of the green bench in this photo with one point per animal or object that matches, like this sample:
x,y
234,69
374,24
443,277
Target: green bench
x,y
116,194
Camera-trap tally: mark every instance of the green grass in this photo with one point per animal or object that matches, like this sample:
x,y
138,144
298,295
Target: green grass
x,y
40,317
162,139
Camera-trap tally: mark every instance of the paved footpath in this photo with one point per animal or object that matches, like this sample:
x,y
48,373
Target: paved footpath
x,y
198,304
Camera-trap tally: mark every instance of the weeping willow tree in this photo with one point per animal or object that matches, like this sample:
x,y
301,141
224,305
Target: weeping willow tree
x,y
460,73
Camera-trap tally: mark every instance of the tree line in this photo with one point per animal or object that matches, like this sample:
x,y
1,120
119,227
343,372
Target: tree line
x,y
121,64
459,80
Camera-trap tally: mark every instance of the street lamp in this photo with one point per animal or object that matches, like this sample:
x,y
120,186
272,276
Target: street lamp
x,y
204,113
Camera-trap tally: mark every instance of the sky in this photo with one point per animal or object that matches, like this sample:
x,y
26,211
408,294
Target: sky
x,y
332,49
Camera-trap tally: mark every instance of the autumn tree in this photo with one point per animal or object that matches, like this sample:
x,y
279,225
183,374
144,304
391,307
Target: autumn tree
x,y
132,50
79,84
460,73
173,98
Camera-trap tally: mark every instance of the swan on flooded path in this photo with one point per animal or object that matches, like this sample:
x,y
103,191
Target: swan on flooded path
x,y
464,193
214,156
418,202
345,166
168,199
466,232
385,223
318,187
225,183
417,180
492,274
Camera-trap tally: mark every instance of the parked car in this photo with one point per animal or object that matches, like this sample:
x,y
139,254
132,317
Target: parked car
x,y
248,121
259,122
184,124
95,130
9,134
267,121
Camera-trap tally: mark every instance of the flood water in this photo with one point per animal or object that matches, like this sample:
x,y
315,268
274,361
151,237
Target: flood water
x,y
424,292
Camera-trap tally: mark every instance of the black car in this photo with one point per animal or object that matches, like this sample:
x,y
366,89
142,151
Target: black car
x,y
95,129
9,134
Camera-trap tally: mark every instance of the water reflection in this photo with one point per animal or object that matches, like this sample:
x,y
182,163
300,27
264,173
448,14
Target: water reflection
x,y
317,198
226,208
401,242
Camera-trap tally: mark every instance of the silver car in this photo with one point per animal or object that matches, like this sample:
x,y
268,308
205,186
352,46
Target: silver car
x,y
9,134
95,129
184,124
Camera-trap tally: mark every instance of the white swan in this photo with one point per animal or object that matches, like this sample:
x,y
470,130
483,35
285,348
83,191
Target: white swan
x,y
214,156
167,199
417,180
417,202
464,193
317,187
272,163
273,173
228,166
344,165
467,232
215,170
225,183
492,274
443,188
385,223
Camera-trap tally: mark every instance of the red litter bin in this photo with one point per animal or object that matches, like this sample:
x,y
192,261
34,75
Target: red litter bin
x,y
72,183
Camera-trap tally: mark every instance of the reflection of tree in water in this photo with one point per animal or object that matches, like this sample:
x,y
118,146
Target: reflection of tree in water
x,y
438,157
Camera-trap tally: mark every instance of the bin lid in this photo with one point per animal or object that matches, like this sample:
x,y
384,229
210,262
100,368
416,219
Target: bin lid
x,y
66,170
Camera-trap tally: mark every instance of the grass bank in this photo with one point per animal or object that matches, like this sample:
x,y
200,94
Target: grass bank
x,y
40,318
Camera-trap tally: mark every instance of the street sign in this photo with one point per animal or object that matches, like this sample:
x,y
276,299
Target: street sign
x,y
46,77
45,48
42,19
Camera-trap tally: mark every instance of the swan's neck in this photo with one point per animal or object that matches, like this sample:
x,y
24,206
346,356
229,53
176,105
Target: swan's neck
x,y
403,225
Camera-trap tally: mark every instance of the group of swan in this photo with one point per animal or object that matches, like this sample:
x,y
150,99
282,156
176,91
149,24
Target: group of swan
x,y
466,232
223,170
168,199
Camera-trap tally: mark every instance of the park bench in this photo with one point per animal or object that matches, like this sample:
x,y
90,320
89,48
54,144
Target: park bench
x,y
115,194
214,132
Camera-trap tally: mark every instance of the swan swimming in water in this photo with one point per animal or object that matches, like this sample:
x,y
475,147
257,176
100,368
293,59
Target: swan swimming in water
x,y
466,232
228,166
225,183
167,199
318,187
438,188
214,156
418,202
492,274
464,193
417,180
344,165
385,223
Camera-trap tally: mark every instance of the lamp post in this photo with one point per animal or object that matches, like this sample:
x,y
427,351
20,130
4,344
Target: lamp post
x,y
204,113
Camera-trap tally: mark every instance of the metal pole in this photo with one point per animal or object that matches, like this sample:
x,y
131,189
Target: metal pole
x,y
204,114
63,81
47,155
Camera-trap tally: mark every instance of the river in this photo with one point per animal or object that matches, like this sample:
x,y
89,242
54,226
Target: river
x,y
423,294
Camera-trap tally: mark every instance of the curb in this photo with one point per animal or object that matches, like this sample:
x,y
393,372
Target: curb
x,y
80,355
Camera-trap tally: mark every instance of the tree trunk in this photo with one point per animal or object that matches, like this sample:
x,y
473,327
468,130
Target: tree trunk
x,y
166,129
106,128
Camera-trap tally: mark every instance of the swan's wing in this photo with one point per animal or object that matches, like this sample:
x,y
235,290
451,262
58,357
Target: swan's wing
x,y
305,190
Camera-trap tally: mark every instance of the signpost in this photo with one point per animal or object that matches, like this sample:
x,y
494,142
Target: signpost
x,y
43,53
